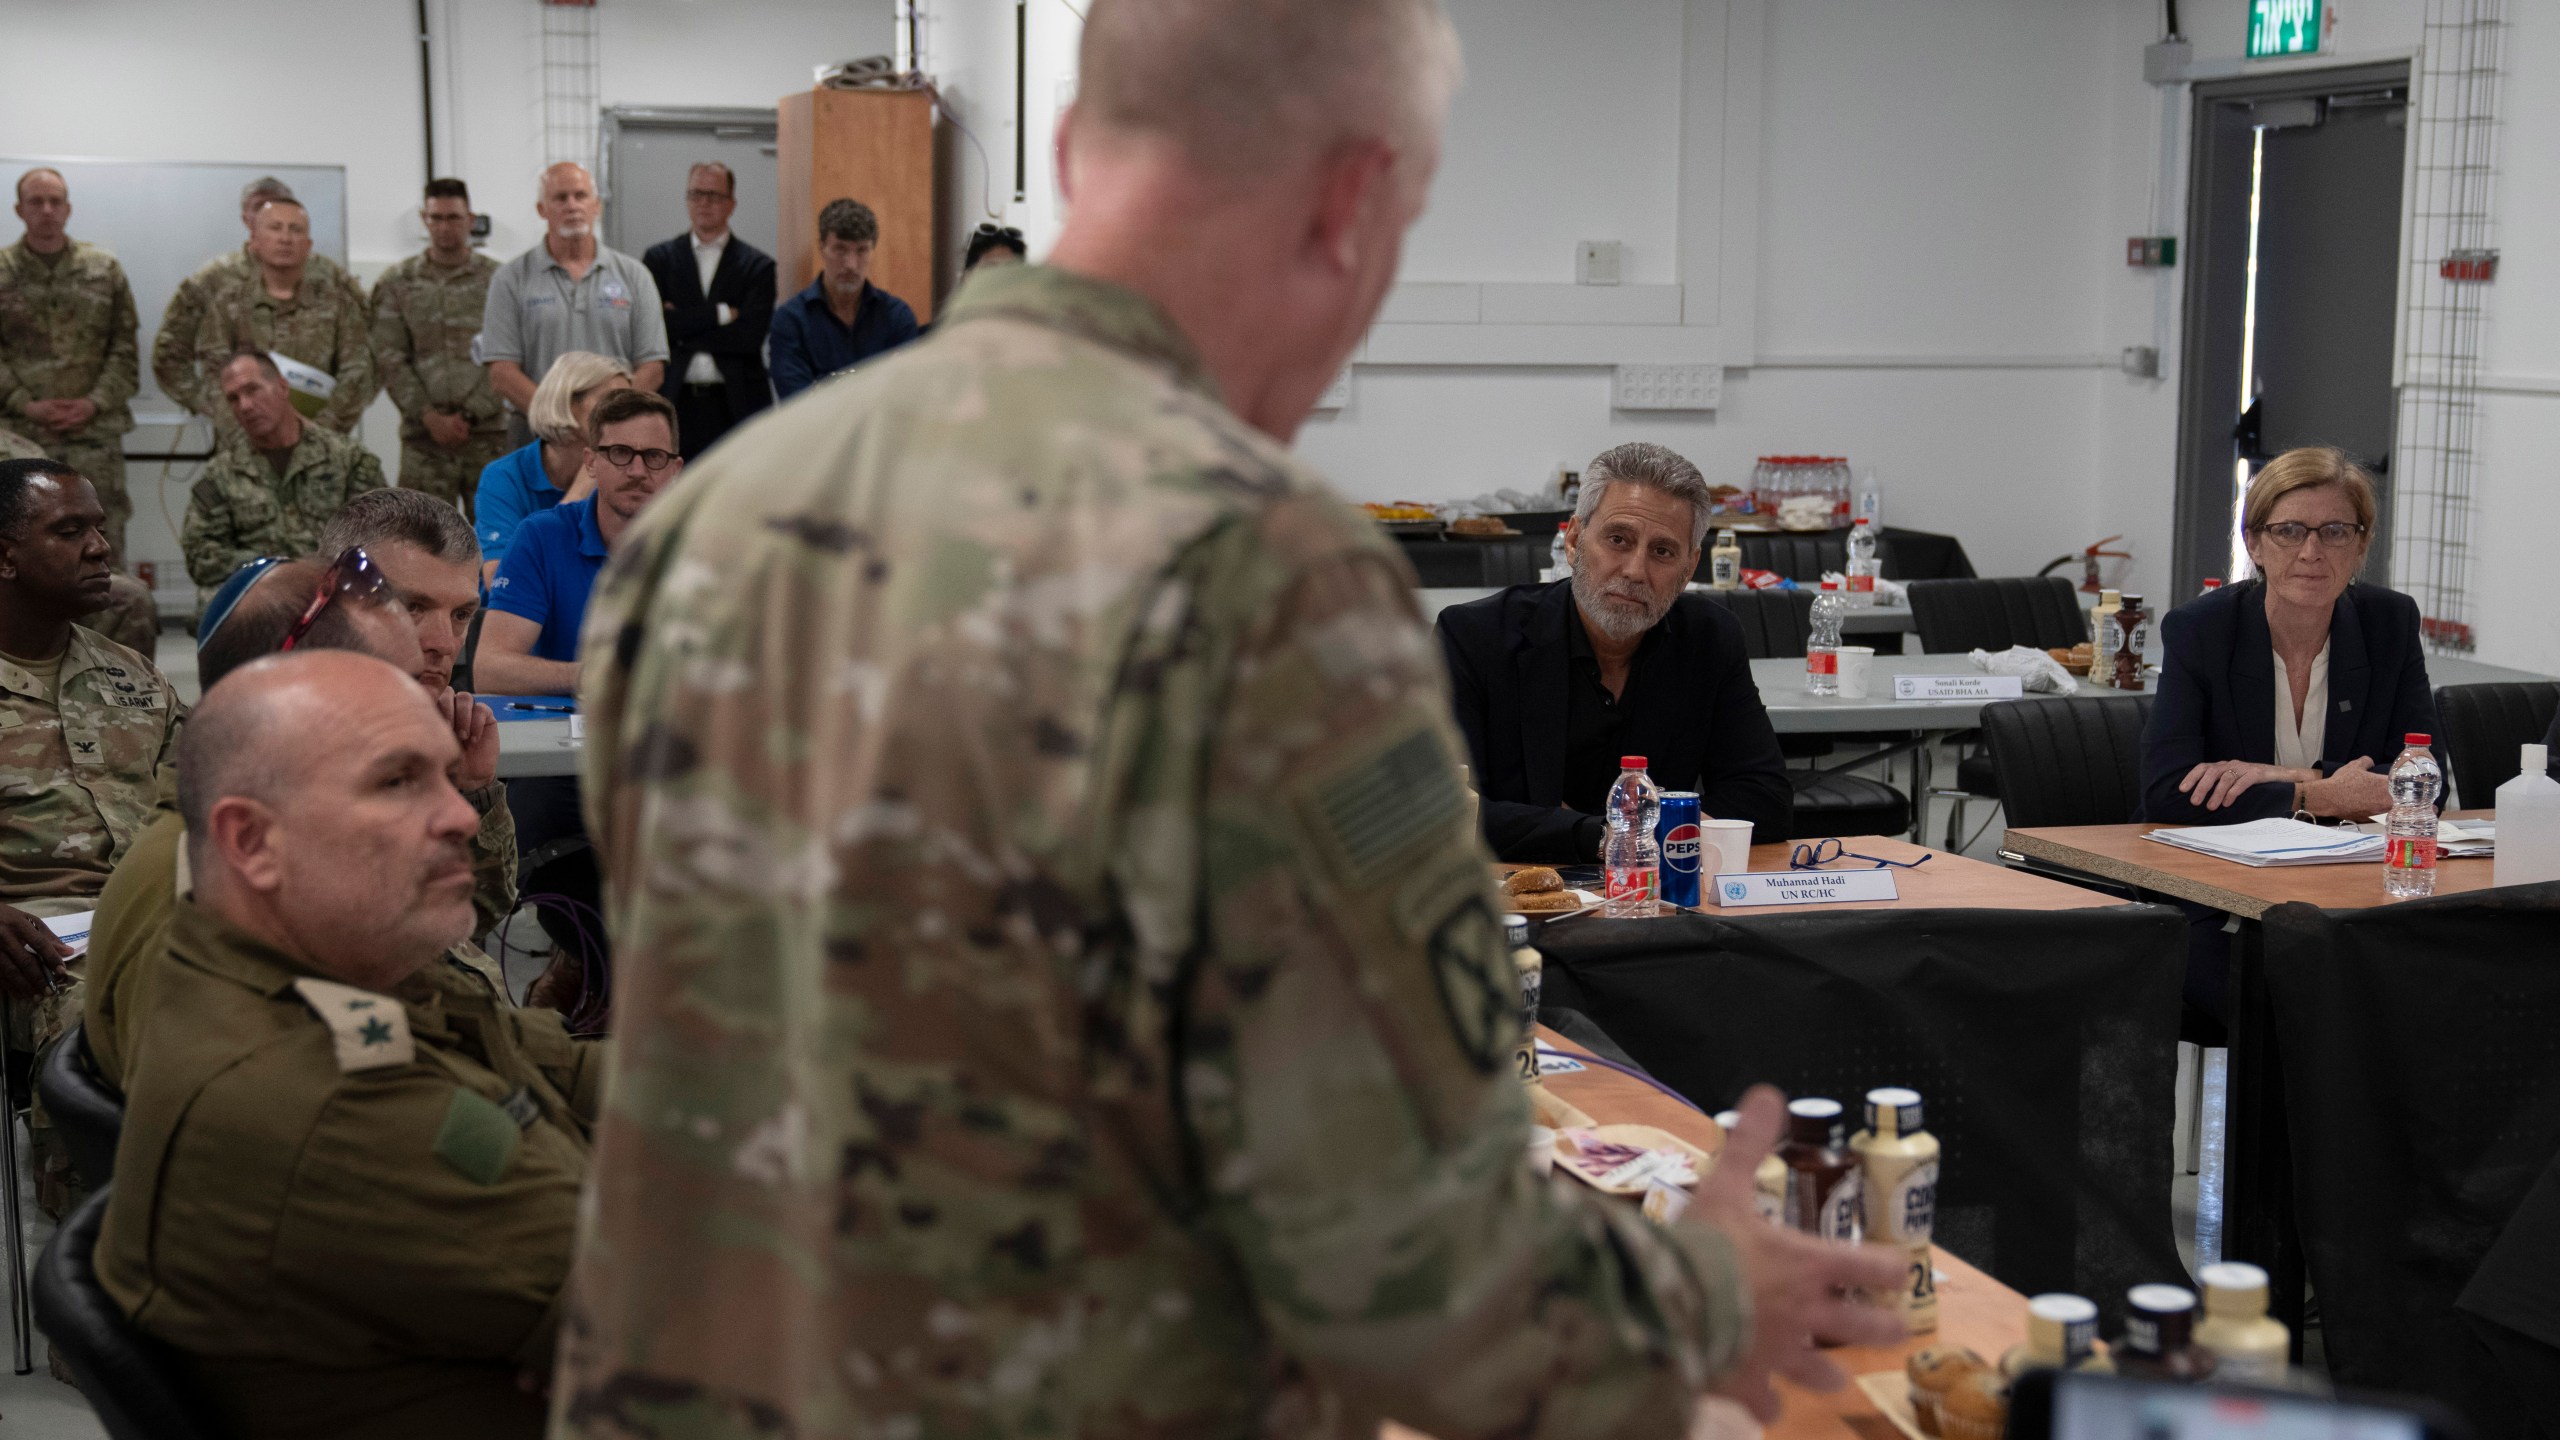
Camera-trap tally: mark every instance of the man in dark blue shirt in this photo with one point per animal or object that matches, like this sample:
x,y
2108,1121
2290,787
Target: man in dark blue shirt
x,y
842,319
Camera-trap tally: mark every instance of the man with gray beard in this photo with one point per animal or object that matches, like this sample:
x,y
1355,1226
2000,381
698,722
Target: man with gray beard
x,y
1554,683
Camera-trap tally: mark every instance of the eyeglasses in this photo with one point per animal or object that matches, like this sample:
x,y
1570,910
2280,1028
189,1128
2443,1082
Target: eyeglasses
x,y
1820,854
701,195
991,231
2290,534
353,576
621,456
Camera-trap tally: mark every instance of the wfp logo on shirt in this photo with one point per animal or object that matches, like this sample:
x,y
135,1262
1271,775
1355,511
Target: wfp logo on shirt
x,y
498,584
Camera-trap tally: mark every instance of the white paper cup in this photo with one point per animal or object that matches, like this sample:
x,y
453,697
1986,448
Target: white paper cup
x,y
1724,848
1857,669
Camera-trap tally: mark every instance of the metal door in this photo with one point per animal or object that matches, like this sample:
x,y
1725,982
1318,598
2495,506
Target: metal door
x,y
646,155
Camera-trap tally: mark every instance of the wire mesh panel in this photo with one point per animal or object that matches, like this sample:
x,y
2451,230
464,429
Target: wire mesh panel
x,y
572,82
2453,178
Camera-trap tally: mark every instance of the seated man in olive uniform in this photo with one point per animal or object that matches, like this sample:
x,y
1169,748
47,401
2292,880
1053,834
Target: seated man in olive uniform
x,y
348,1178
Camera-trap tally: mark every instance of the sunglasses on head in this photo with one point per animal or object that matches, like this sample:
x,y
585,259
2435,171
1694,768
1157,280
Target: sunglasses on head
x,y
991,231
352,576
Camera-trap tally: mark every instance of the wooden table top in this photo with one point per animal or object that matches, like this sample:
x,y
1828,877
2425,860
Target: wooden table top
x,y
2119,853
1973,1308
1947,881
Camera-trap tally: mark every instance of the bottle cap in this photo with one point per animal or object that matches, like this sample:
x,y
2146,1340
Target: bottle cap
x,y
2161,1299
2133,602
1814,1109
2234,1290
1728,1120
1861,521
1630,762
2212,583
2414,738
1893,1110
2061,1329
1815,1122
1831,587
2537,760
1515,930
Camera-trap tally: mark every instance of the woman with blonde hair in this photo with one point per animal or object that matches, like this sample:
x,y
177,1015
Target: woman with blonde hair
x,y
527,481
2292,692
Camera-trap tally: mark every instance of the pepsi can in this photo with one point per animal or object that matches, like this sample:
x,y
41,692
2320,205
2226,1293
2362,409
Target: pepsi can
x,y
1680,839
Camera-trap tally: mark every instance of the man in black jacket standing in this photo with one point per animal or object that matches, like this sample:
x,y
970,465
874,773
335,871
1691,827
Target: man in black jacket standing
x,y
718,293
1554,683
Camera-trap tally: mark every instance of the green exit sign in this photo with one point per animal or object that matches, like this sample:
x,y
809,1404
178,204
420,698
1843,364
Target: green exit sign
x,y
2283,27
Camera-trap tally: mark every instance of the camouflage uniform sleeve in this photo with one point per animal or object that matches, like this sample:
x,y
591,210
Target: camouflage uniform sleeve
x,y
210,537
1346,1074
173,350
493,860
121,375
366,472
391,348
357,384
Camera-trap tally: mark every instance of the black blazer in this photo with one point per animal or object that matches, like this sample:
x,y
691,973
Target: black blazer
x,y
2217,697
743,281
1705,732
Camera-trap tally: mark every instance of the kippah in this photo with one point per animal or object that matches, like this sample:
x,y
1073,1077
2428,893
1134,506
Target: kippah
x,y
219,608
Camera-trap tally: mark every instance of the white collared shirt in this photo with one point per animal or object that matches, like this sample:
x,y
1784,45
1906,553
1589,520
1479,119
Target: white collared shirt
x,y
2299,741
706,262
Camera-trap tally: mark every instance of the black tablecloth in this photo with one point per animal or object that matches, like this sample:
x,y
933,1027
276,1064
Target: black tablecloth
x,y
2044,1045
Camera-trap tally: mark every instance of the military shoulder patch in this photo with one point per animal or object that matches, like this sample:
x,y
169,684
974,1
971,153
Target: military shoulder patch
x,y
1483,1012
478,1137
1379,806
371,1030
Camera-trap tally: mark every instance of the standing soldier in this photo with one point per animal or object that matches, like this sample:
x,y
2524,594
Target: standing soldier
x,y
69,358
426,313
173,350
291,308
1059,970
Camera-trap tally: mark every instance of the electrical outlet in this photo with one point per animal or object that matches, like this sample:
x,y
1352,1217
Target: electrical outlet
x,y
1666,387
1599,262
1338,394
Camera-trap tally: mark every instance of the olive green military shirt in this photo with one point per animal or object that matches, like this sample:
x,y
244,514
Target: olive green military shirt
x,y
82,756
130,934
174,357
67,332
350,1213
1059,989
241,509
425,316
326,323
14,446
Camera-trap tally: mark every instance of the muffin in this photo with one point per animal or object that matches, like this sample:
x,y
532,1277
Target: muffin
x,y
1975,1408
1932,1373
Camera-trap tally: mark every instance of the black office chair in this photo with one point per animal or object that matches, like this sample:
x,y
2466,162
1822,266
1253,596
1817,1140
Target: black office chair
x,y
1954,616
87,1112
2074,761
1800,557
1776,625
132,1380
2483,727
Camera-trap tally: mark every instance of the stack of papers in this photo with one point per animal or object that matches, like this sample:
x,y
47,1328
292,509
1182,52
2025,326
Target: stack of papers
x,y
2274,842
2455,839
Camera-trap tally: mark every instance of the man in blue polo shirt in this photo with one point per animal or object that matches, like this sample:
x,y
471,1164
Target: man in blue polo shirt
x,y
842,319
529,642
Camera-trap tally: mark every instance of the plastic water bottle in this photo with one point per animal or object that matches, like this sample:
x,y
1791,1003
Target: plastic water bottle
x,y
1871,500
1822,648
1862,565
2409,857
1631,857
2528,846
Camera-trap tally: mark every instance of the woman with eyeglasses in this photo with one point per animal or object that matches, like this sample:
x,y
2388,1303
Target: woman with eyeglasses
x,y
2290,693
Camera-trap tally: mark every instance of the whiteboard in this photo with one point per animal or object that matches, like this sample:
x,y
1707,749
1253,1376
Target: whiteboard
x,y
164,218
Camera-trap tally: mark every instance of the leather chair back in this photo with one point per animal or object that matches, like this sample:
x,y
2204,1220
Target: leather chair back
x,y
2074,761
87,1112
1801,558
132,1380
2483,726
1775,623
1954,616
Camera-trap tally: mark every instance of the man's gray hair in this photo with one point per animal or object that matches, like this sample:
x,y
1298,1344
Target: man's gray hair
x,y
405,517
267,189
1656,468
1247,87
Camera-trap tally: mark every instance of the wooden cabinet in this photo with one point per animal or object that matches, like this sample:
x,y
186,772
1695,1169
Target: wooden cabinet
x,y
875,146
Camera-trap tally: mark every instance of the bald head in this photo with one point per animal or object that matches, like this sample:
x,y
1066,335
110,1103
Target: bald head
x,y
1250,87
244,738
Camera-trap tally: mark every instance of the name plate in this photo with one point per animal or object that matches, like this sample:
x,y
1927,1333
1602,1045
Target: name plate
x,y
1803,887
578,728
1958,687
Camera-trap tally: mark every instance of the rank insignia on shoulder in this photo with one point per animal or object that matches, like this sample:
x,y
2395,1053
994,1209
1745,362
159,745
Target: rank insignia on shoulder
x,y
371,1031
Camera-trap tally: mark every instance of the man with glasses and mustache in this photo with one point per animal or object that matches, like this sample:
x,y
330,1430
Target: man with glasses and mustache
x,y
1554,683
349,1171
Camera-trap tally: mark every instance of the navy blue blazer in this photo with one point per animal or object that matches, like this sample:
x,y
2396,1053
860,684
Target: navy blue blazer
x,y
1707,731
743,281
2218,685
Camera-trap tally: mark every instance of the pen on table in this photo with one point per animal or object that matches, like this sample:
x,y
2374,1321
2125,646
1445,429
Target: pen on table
x,y
547,709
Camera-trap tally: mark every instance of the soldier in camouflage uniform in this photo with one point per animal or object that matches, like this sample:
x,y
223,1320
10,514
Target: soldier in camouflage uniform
x,y
173,349
271,487
426,312
14,446
292,309
88,731
1061,990
69,362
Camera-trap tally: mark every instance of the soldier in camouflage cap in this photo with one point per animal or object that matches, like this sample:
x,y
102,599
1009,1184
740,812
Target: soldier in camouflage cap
x,y
270,487
173,349
288,307
88,730
426,312
69,361
1061,990
14,446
